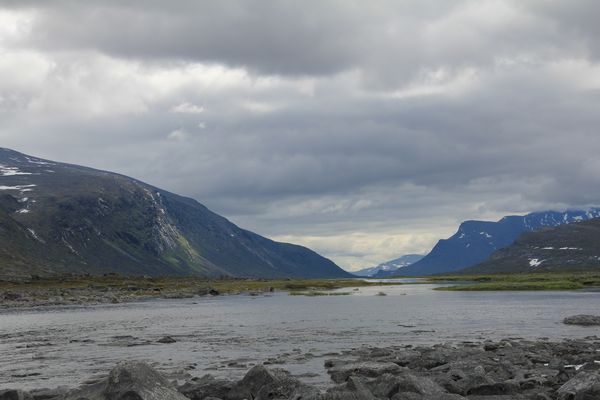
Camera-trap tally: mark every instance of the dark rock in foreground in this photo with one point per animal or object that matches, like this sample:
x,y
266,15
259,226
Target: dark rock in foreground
x,y
582,319
504,370
129,381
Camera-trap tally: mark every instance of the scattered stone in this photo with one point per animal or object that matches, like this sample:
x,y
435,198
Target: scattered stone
x,y
166,339
583,320
508,369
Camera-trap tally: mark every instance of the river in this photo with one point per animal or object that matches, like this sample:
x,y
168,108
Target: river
x,y
225,335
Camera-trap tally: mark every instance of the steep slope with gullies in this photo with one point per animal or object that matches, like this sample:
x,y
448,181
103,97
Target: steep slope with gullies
x,y
61,218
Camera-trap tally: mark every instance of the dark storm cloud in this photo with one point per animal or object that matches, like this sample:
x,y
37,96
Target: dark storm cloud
x,y
363,131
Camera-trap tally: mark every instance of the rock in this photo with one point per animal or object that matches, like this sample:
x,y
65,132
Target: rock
x,y
583,386
253,381
496,388
287,387
206,387
48,394
490,346
214,292
339,370
12,296
129,381
261,383
384,386
582,319
353,389
166,339
409,382
408,396
14,394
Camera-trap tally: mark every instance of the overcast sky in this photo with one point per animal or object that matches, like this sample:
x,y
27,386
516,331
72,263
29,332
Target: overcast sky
x,y
365,130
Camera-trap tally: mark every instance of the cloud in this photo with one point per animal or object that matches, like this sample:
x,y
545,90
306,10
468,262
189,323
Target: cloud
x,y
187,108
362,131
178,134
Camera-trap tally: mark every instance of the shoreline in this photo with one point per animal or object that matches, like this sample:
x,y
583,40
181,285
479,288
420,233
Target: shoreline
x,y
504,369
91,291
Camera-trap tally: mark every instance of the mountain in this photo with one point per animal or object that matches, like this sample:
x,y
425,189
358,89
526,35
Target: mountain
x,y
475,241
60,218
388,268
573,246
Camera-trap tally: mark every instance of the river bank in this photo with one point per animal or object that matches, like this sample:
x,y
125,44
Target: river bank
x,y
493,370
572,280
115,289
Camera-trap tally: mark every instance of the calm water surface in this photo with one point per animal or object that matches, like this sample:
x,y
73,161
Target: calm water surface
x,y
226,335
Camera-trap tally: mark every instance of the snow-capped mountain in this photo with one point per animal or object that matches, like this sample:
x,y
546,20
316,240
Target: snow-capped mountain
x,y
475,241
388,268
574,246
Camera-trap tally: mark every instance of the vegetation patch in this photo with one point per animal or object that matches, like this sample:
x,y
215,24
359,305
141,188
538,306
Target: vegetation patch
x,y
518,281
113,288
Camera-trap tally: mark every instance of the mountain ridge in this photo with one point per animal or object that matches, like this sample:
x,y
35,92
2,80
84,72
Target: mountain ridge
x,y
574,246
65,218
388,268
475,241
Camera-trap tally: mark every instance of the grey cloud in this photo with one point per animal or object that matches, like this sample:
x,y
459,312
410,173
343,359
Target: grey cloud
x,y
392,42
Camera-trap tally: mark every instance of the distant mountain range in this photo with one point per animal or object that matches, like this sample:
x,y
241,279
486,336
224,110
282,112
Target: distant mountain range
x,y
567,247
60,218
389,268
475,241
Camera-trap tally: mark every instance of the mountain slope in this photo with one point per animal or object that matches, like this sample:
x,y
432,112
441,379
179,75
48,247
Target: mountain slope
x,y
475,241
62,218
573,246
389,268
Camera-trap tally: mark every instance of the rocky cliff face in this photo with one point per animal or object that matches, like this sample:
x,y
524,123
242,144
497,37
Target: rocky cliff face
x,y
61,218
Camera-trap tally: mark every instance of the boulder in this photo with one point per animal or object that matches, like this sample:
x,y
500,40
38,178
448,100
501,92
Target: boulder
x,y
206,387
353,389
261,383
253,381
409,382
583,386
384,386
129,381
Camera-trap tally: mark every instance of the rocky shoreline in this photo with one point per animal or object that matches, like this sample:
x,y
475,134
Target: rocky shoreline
x,y
502,370
92,295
